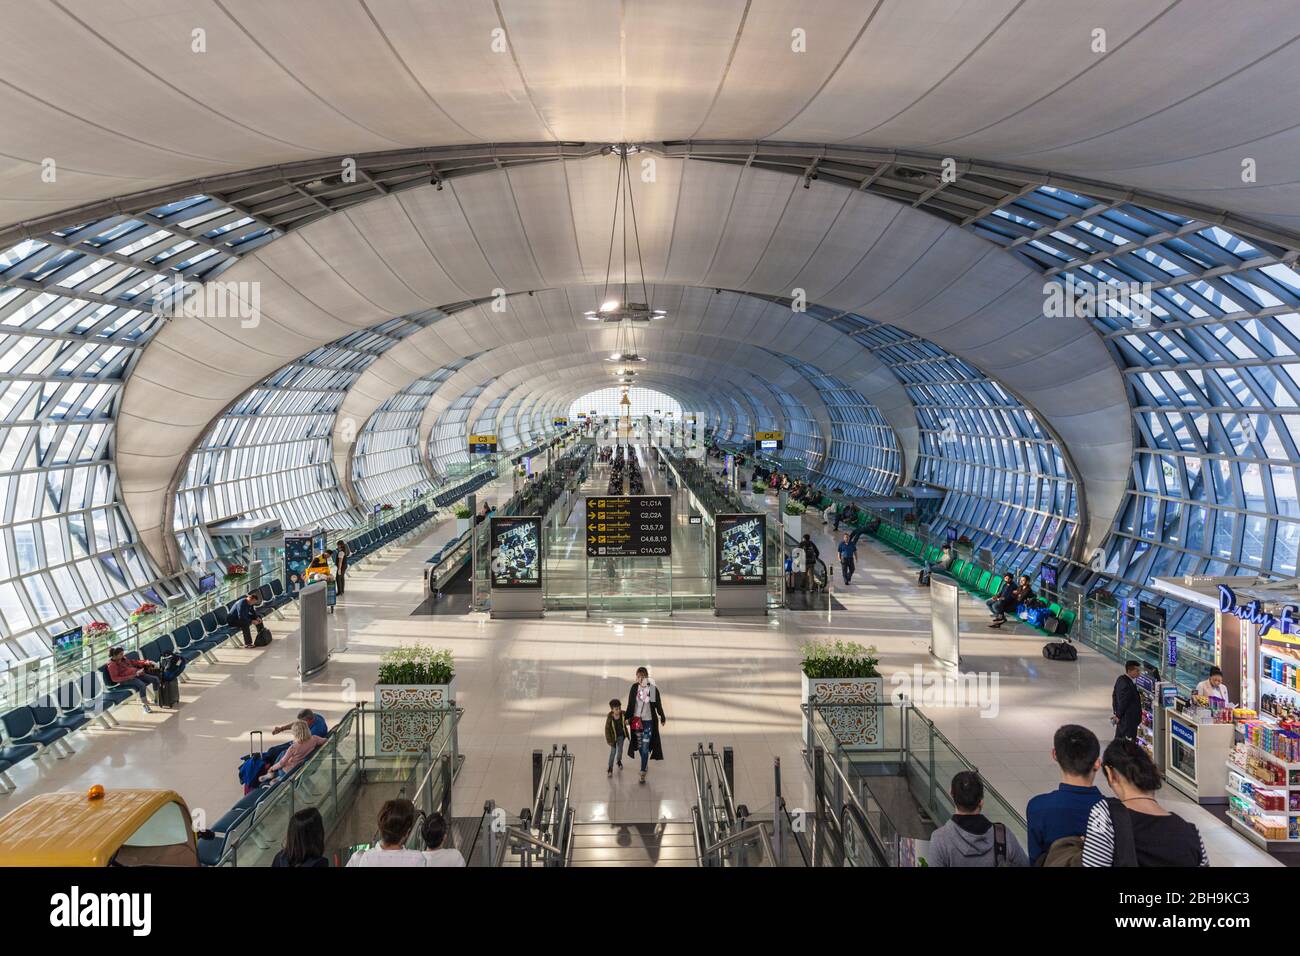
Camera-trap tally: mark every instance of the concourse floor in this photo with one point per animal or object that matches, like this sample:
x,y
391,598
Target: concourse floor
x,y
526,685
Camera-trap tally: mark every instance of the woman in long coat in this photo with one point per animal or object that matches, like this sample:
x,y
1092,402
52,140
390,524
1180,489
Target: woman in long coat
x,y
645,704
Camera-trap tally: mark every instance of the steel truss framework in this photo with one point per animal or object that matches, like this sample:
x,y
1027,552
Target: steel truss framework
x,y
1209,353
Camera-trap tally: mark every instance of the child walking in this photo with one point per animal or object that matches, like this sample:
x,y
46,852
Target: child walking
x,y
615,734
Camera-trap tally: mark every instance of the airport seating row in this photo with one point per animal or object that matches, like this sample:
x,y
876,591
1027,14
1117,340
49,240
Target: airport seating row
x,y
44,728
979,581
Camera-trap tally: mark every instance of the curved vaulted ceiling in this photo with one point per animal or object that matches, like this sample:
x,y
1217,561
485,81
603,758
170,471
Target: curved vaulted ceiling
x,y
134,105
171,137
729,329
701,225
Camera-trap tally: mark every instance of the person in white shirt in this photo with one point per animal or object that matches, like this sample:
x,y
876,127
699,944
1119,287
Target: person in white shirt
x,y
1213,688
435,832
396,819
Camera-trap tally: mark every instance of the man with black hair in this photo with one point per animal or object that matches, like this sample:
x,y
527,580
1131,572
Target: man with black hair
x,y
971,839
1126,702
1063,812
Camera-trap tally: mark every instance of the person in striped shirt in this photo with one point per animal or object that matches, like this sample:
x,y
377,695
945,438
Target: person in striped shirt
x,y
1131,828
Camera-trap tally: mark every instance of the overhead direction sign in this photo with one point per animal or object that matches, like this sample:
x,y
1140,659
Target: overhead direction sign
x,y
629,526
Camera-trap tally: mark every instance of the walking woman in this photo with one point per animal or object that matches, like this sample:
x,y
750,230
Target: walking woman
x,y
645,714
340,566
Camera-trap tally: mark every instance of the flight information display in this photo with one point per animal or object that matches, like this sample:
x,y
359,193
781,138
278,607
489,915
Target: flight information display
x,y
516,552
629,526
740,549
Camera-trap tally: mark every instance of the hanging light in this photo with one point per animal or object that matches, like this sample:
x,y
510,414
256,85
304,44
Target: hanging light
x,y
620,309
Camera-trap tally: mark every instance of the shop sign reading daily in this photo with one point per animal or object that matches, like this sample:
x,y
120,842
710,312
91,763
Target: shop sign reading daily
x,y
1283,622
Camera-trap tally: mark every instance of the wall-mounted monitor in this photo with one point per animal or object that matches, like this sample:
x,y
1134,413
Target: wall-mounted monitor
x,y
67,646
740,549
207,583
1047,573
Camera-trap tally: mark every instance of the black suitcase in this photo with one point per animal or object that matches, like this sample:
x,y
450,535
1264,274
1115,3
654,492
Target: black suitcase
x,y
169,693
1060,651
923,578
263,636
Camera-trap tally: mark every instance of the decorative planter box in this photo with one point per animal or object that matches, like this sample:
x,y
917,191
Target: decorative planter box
x,y
463,525
793,526
853,726
407,733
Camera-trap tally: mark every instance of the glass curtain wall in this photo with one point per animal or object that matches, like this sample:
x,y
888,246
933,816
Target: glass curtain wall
x,y
270,455
1208,342
76,309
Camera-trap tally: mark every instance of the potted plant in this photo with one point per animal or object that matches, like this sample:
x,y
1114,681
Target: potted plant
x,y
463,517
234,573
964,546
145,610
843,674
793,519
97,634
414,683
909,518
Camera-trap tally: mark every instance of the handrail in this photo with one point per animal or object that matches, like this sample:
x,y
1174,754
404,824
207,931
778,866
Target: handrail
x,y
860,822
750,832
351,726
528,838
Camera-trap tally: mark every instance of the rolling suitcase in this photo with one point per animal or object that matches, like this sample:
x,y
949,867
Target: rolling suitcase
x,y
252,763
169,693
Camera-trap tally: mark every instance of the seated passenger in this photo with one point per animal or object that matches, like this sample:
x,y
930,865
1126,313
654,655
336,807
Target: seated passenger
x,y
315,722
304,841
1024,592
1005,595
244,615
396,819
304,743
132,674
435,831
946,557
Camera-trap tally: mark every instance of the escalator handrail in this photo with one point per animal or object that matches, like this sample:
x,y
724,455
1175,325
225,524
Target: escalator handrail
x,y
753,830
860,822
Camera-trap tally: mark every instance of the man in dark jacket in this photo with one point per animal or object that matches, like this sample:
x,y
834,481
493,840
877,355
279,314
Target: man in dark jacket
x,y
243,614
812,552
1126,703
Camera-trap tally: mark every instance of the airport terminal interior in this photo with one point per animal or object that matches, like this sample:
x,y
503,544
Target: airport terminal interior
x,y
595,433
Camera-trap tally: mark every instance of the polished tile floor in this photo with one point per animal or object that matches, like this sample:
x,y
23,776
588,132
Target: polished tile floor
x,y
531,684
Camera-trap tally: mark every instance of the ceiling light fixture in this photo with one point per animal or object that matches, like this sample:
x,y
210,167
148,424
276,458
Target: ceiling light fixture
x,y
615,308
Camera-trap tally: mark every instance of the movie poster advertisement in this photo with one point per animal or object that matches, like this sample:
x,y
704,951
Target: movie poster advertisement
x,y
516,555
740,549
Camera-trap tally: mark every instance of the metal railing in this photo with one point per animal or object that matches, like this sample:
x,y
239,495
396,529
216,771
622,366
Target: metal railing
x,y
907,750
725,836
331,779
542,834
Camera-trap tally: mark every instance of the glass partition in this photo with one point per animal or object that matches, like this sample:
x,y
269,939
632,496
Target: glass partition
x,y
886,798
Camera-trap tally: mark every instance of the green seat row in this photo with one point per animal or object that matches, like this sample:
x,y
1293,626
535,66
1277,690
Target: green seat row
x,y
977,580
